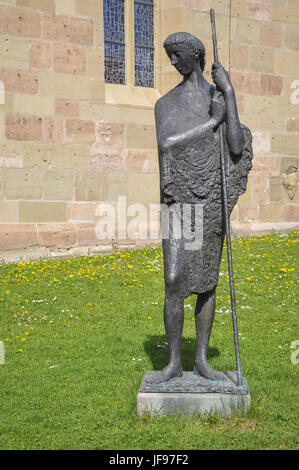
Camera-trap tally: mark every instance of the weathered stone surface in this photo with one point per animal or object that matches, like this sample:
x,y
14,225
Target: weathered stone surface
x,y
40,155
89,8
16,236
65,7
275,189
81,211
259,11
11,162
105,159
240,56
271,35
90,186
266,166
87,235
8,211
24,183
201,5
136,160
285,15
69,59
285,143
288,164
19,81
53,129
36,211
97,90
293,125
262,59
33,104
192,394
261,142
44,5
136,184
70,108
247,32
290,36
73,156
271,212
80,130
66,29
13,52
110,134
63,85
248,82
287,62
58,185
261,105
40,55
290,184
141,136
248,212
23,127
20,21
291,212
95,62
271,84
91,111
58,235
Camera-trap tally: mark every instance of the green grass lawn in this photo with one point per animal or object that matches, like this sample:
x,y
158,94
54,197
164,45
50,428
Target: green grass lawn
x,y
80,333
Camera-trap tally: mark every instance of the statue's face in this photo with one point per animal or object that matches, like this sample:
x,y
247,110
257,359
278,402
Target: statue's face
x,y
182,58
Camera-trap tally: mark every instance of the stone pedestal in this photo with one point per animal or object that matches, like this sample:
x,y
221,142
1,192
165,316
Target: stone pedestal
x,y
192,394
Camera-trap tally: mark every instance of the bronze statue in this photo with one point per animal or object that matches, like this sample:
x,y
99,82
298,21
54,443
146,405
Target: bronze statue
x,y
187,120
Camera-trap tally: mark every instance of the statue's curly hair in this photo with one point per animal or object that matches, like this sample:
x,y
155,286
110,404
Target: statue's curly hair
x,y
189,41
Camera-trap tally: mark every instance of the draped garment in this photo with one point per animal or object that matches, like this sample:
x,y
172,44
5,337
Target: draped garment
x,y
190,174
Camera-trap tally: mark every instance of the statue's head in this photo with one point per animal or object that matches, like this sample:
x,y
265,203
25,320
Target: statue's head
x,y
185,51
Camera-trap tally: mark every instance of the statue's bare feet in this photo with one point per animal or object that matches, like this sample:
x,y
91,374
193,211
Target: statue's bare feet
x,y
169,372
206,371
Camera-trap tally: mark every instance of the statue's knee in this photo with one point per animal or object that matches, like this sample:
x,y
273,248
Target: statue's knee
x,y
172,282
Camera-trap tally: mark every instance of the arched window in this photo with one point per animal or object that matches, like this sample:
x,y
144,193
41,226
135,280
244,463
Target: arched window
x,y
114,41
129,42
144,42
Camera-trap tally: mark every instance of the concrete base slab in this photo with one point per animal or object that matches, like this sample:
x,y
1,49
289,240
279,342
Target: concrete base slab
x,y
192,394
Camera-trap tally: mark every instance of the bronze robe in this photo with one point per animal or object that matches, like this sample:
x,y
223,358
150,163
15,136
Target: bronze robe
x,y
190,173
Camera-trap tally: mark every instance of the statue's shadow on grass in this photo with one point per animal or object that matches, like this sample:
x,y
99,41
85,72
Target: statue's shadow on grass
x,y
157,351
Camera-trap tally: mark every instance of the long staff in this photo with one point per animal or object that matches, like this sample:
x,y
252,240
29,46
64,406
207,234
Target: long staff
x,y
227,224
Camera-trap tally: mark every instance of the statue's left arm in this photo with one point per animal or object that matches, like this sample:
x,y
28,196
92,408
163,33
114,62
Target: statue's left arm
x,y
234,133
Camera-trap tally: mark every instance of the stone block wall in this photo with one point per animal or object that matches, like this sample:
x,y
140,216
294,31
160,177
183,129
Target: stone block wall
x,y
69,142
259,45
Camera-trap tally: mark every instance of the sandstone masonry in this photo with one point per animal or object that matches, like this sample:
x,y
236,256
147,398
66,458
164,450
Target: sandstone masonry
x,y
68,141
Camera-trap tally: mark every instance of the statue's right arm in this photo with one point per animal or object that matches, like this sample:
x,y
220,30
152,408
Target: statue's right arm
x,y
166,139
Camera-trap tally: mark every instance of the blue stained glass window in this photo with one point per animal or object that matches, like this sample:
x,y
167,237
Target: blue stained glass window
x,y
114,41
144,42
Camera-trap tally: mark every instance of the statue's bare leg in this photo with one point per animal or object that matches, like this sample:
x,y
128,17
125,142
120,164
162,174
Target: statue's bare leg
x,y
173,321
204,317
